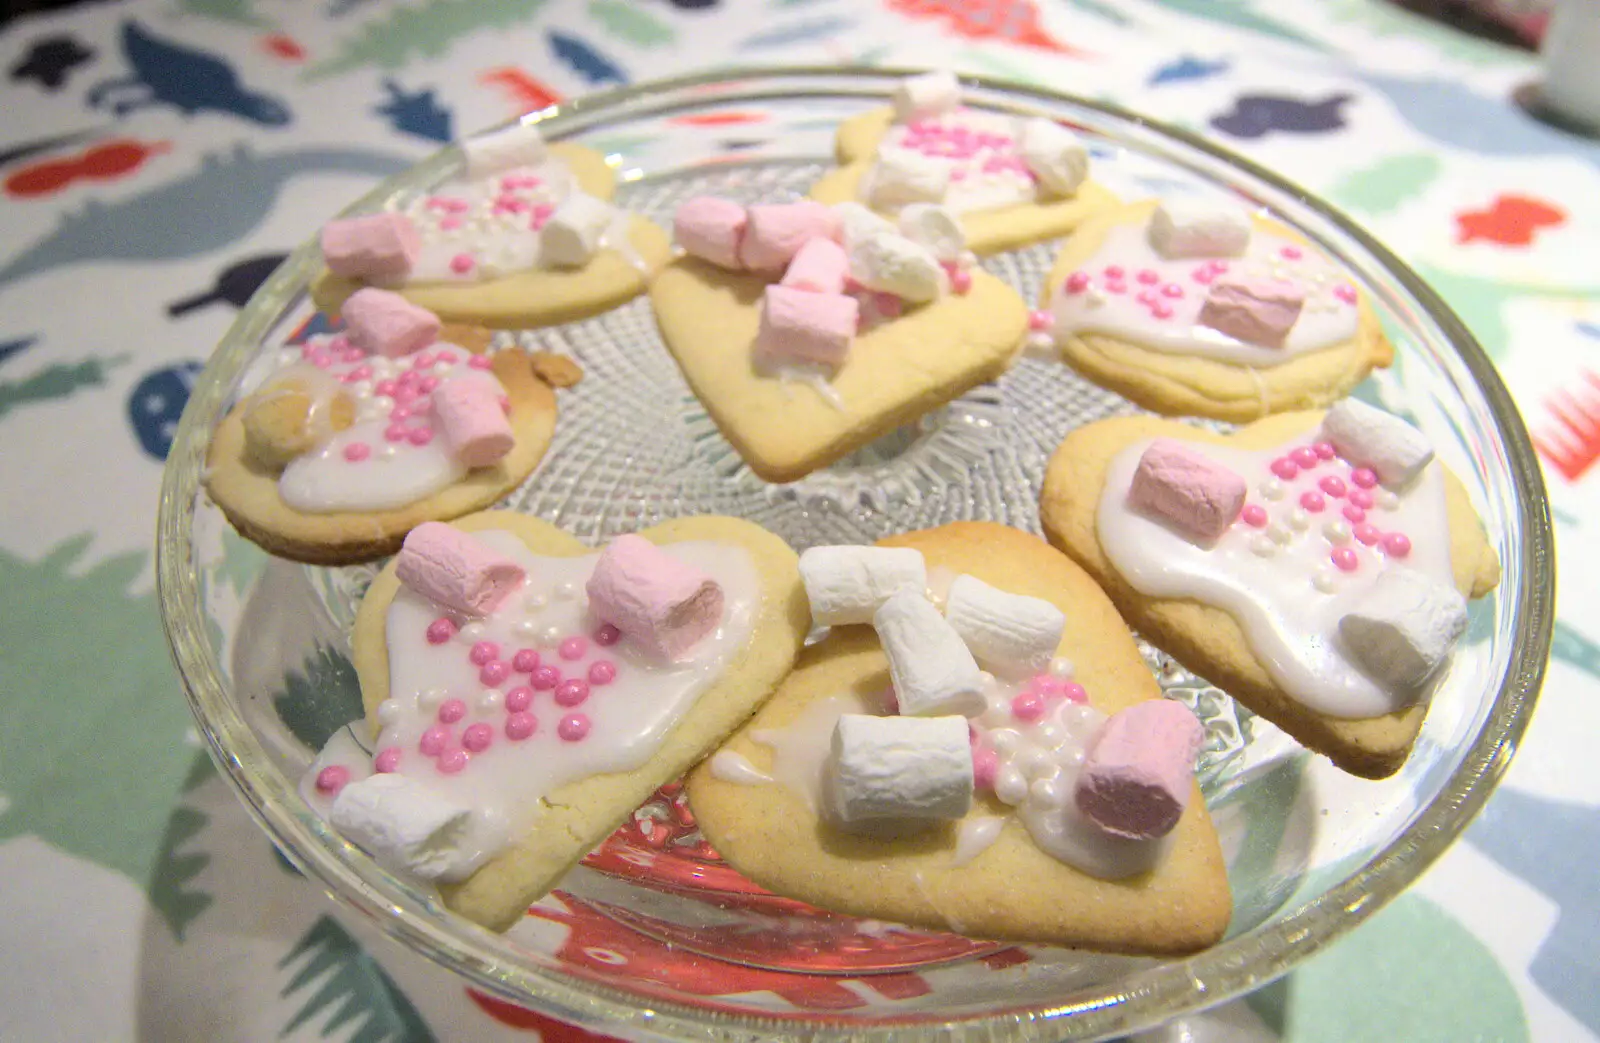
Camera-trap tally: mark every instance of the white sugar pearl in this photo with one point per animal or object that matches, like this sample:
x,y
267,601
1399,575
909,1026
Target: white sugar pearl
x,y
1071,757
1004,740
386,453
1278,534
1010,786
470,634
1271,489
362,388
1299,520
550,636
1036,763
1325,581
525,628
431,698
566,591
383,402
1051,734
1263,547
535,602
388,712
490,700
1060,667
1337,532
1048,792
1387,500
288,357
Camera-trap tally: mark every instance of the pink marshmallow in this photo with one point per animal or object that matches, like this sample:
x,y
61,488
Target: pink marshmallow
x,y
776,232
450,568
474,424
387,324
820,266
799,326
1139,771
378,246
1176,482
1256,311
658,602
711,229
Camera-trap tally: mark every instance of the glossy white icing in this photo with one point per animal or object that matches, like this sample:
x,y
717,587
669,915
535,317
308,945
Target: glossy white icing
x,y
1280,579
980,150
1130,291
730,766
976,835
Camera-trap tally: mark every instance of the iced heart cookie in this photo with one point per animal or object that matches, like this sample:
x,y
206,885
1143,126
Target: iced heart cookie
x,y
991,757
1315,566
1197,308
525,693
1013,181
357,437
806,330
523,237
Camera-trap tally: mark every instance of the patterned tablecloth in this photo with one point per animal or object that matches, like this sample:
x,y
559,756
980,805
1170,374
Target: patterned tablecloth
x,y
158,158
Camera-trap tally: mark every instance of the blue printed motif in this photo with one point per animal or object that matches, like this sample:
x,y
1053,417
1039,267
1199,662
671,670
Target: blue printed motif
x,y
1186,68
156,403
1451,114
234,285
1255,115
50,61
13,347
166,73
415,112
584,59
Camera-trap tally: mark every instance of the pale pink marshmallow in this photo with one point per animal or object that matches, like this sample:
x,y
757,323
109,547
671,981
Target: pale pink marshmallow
x,y
777,231
659,603
711,229
385,323
378,246
820,266
798,326
475,426
1198,495
454,570
1139,770
1256,311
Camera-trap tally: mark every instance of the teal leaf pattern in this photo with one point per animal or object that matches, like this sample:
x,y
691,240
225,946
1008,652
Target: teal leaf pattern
x,y
56,381
239,12
321,697
171,885
1383,187
338,980
1243,14
627,21
425,30
1575,650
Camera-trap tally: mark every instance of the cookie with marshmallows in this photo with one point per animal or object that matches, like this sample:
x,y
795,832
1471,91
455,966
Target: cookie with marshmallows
x,y
976,746
1197,307
1314,565
523,236
1013,180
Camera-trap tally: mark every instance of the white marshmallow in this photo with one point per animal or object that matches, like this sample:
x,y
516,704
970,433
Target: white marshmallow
x,y
899,768
932,670
901,176
406,826
1404,627
1369,437
572,235
1056,156
519,145
1199,227
857,223
930,94
1011,634
848,584
891,263
934,228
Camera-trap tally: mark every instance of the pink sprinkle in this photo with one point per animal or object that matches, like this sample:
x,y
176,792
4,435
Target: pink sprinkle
x,y
1352,513
520,725
422,360
602,671
361,373
477,737
1029,706
428,384
461,264
1284,468
451,223
445,358
494,673
1218,266
433,740
1291,253
1364,477
405,394
452,711
607,635
1325,450
1146,297
1305,456
1254,515
519,699
453,760
1113,271
356,452
384,387
1077,282
394,433
1396,545
441,630
1115,287
1075,693
1332,486
1203,275
1312,502
545,678
525,660
1172,289
332,778
1040,320
479,362
985,766
387,760
1362,498
420,435
961,280
321,359
399,413
1345,559
483,652
573,726
1345,292
1366,534
1149,276
1161,310
572,691
1047,685
573,648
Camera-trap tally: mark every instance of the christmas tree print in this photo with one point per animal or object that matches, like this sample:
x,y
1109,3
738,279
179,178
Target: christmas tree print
x,y
335,979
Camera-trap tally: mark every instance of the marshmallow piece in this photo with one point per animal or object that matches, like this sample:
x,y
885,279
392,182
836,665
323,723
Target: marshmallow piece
x,y
572,235
901,177
934,228
386,323
1369,437
932,670
891,263
806,328
1010,634
451,568
406,826
1404,627
776,232
898,768
1256,311
1190,227
1175,481
857,223
1055,155
711,229
659,603
1139,770
821,266
519,145
847,585
377,246
929,94
474,423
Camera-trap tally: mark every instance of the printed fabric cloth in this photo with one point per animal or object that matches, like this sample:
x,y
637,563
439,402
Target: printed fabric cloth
x,y
159,157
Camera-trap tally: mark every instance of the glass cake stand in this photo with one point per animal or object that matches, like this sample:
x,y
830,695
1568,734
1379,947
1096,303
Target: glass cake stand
x,y
653,932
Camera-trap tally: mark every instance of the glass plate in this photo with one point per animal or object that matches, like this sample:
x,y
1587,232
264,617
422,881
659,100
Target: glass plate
x,y
653,930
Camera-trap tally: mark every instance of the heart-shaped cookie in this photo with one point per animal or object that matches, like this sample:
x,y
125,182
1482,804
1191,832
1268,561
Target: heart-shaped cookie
x,y
546,723
1311,516
983,874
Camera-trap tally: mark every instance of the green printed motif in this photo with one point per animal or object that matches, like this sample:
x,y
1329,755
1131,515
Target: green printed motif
x,y
349,987
320,698
1383,19
56,381
1243,13
1266,806
1383,187
425,30
625,20
239,12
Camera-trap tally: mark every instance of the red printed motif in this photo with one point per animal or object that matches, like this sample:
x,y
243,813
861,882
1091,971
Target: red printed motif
x,y
527,93
1509,220
106,161
1572,442
1014,21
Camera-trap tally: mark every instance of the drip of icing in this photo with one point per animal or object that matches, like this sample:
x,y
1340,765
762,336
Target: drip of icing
x,y
980,149
815,378
1279,579
1105,297
800,748
939,579
977,834
730,766
615,238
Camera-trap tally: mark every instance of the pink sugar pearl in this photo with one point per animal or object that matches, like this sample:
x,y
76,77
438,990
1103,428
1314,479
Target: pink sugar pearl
x,y
1113,271
1115,286
422,360
525,661
602,671
1313,502
332,778
607,635
461,264
1325,450
520,725
387,760
1028,706
1077,282
572,691
545,678
1332,486
445,358
1039,320
477,737
1396,545
1172,289
961,280
451,761
1352,513
1161,310
1284,468
1074,692
1254,515
573,726
441,630
1148,276
985,766
1362,498
356,452
384,387
573,648
433,740
494,673
479,362
1345,559
451,711
420,435
1146,297
1364,477
519,699
428,384
1345,293
1047,685
1366,534
1291,253
483,652
394,433
1305,456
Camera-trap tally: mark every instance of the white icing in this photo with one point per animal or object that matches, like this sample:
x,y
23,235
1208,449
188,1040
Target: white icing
x,y
993,176
1326,319
976,835
730,766
1279,582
